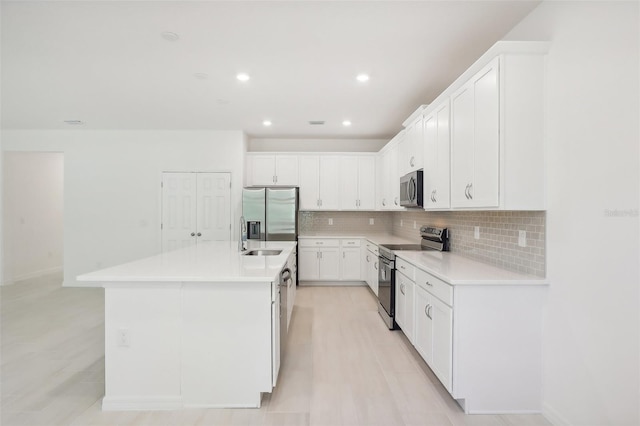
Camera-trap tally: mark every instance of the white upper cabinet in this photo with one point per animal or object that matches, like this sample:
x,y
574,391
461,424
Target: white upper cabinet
x,y
319,182
389,184
357,183
475,140
411,147
497,130
272,169
437,159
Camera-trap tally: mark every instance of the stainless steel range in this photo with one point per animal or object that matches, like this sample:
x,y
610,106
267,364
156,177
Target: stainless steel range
x,y
433,238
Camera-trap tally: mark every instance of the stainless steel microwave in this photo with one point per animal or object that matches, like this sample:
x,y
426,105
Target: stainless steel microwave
x,y
411,189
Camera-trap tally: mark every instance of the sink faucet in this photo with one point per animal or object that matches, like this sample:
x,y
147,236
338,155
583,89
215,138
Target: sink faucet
x,y
242,242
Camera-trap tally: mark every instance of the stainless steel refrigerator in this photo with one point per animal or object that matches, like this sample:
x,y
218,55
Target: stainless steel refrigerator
x,y
271,213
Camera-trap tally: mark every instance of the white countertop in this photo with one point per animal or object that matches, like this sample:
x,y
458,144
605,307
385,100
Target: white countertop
x,y
213,261
376,238
459,270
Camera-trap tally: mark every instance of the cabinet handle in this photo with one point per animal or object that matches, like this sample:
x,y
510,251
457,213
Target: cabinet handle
x,y
321,202
430,315
367,258
384,203
426,311
402,267
320,242
402,288
470,194
193,234
199,234
466,191
320,254
429,284
435,193
343,255
395,201
375,265
412,162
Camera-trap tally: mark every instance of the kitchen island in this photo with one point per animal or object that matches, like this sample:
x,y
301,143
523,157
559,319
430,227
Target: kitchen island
x,y
194,327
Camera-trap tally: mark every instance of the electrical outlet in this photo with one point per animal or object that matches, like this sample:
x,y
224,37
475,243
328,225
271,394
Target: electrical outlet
x,y
476,233
415,224
401,223
522,238
371,221
124,339
330,221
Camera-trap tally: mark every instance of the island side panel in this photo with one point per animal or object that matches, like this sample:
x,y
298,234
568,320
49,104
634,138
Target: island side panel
x,y
226,344
142,347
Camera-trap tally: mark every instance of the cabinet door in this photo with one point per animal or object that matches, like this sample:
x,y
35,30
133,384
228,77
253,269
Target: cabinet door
x,y
350,264
384,181
349,183
309,262
329,264
374,274
423,336
485,185
403,154
441,361
394,181
436,159
462,129
368,267
409,318
262,169
309,182
329,182
400,299
275,339
414,146
286,170
366,183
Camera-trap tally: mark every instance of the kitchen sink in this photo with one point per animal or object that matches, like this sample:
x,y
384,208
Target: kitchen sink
x,y
262,253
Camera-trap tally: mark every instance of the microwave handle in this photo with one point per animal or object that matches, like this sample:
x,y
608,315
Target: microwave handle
x,y
411,190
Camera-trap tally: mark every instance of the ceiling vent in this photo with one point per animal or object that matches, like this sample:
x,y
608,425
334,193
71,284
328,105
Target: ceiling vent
x,y
316,122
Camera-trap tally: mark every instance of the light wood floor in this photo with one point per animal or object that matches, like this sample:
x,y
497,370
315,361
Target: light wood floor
x,y
342,367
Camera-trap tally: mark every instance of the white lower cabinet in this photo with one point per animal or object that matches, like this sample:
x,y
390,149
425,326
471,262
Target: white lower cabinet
x,y
483,341
434,334
291,286
370,254
350,268
319,260
404,309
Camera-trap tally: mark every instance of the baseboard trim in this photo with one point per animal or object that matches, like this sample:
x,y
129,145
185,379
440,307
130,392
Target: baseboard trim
x,y
332,283
35,274
552,415
142,403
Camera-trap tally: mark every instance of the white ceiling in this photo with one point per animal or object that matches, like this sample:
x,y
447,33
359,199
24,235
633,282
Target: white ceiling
x,y
105,63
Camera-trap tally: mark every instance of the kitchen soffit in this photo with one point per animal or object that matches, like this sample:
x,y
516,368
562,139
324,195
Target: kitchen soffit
x,y
107,63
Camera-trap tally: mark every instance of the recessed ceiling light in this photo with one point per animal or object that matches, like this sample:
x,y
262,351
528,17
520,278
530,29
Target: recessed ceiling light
x,y
74,122
346,123
362,77
201,76
169,36
266,123
243,76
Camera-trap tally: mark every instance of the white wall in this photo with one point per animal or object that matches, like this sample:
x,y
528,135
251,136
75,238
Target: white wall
x,y
591,354
112,185
32,214
316,145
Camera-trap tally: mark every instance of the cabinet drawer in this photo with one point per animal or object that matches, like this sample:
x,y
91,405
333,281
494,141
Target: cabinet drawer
x,y
319,242
353,242
406,268
435,286
372,248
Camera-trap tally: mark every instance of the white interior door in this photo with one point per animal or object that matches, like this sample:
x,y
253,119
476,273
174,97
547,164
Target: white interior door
x,y
213,206
178,210
195,207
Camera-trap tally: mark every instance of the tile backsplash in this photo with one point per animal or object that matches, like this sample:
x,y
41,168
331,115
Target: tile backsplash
x,y
498,242
344,222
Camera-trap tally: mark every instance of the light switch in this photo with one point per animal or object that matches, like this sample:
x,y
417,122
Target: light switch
x,y
330,221
371,221
476,233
